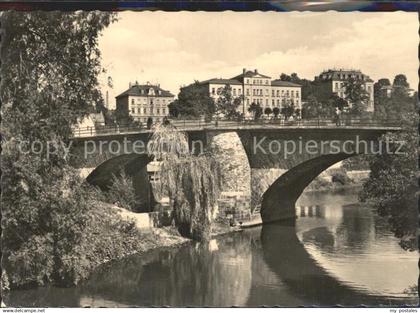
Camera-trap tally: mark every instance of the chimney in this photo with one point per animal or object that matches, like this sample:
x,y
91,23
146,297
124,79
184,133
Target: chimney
x,y
129,85
255,71
244,70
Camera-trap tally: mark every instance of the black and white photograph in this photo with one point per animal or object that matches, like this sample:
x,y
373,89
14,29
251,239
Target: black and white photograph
x,y
209,159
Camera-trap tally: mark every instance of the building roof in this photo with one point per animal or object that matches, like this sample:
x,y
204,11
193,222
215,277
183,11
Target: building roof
x,y
342,74
246,73
143,90
221,81
283,83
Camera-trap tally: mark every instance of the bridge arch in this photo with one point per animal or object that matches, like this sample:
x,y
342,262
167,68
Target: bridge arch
x,y
135,166
278,201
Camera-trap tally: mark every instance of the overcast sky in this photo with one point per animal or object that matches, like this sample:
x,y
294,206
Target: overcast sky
x,y
175,48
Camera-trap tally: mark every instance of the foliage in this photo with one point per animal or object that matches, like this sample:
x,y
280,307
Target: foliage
x,y
307,85
166,142
193,187
122,116
268,111
356,95
121,192
340,177
193,101
356,163
276,112
226,104
191,182
256,109
288,110
398,103
392,184
49,80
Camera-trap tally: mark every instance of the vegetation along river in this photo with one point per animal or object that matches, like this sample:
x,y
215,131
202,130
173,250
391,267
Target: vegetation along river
x,y
337,252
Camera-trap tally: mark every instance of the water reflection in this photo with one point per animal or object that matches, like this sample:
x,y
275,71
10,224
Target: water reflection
x,y
337,253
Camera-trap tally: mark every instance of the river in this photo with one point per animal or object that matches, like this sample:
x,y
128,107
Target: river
x,y
337,252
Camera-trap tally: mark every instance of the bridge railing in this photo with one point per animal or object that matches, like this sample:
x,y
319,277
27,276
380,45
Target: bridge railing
x,y
185,124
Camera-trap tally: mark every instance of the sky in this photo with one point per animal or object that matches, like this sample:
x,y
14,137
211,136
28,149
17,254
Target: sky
x,y
176,48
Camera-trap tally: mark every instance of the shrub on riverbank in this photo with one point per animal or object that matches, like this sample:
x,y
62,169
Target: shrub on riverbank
x,y
48,217
122,193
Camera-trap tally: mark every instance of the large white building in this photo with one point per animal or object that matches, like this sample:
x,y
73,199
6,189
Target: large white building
x,y
254,87
335,79
145,101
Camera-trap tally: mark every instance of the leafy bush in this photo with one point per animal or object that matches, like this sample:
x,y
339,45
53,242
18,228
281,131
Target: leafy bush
x,y
122,193
341,178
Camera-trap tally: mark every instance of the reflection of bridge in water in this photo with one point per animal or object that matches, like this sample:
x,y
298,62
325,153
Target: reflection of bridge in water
x,y
261,266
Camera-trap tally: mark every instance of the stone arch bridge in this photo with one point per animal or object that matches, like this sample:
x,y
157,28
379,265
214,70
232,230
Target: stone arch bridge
x,y
299,153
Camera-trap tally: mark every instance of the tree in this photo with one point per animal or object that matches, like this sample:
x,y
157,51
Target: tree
x,y
338,102
276,112
123,117
193,101
288,110
50,65
392,186
400,81
399,103
256,109
268,111
310,108
226,104
356,95
149,123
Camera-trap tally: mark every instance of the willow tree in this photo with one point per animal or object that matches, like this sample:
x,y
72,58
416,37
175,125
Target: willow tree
x,y
190,182
50,65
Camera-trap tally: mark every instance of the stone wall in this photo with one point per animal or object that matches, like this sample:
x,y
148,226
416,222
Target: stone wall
x,y
234,172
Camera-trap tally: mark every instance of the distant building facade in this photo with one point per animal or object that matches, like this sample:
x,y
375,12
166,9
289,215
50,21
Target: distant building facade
x,y
144,101
334,80
253,87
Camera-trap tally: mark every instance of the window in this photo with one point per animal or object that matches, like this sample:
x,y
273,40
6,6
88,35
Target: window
x,y
213,91
278,93
297,94
234,91
158,111
247,101
253,92
292,93
132,110
278,102
267,93
132,101
336,85
287,93
272,93
247,92
164,111
247,81
138,110
266,82
144,111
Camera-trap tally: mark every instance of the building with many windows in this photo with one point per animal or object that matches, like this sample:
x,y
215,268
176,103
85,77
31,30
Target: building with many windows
x,y
144,101
334,80
254,87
